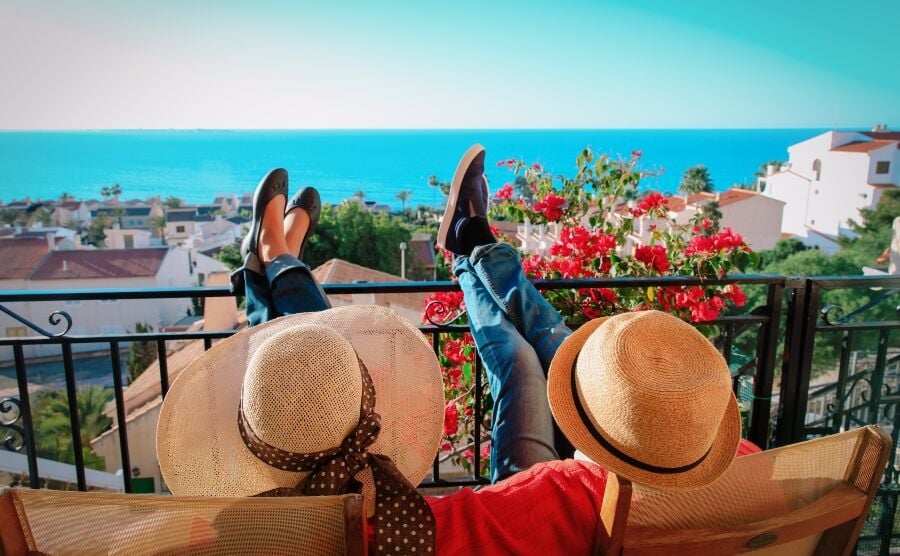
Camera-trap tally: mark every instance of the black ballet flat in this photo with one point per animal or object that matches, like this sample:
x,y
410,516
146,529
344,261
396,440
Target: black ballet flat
x,y
274,184
309,200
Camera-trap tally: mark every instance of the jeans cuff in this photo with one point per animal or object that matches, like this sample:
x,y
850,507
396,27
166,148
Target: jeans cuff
x,y
283,263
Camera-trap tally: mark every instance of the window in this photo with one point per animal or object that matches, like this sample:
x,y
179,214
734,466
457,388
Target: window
x,y
882,167
817,168
16,332
179,229
129,241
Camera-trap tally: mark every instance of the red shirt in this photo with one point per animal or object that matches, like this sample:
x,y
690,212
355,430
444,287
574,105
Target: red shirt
x,y
551,508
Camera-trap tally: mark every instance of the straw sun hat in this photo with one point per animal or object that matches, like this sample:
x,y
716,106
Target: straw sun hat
x,y
302,391
648,397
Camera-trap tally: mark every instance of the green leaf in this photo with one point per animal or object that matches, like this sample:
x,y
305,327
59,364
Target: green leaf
x,y
467,371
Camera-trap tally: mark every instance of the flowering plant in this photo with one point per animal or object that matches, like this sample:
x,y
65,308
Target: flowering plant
x,y
600,226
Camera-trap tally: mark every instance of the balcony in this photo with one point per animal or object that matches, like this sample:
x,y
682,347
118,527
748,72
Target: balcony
x,y
772,350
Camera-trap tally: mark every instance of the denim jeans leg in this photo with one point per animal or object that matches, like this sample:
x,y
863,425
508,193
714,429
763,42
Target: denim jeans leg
x,y
523,432
260,306
499,268
294,290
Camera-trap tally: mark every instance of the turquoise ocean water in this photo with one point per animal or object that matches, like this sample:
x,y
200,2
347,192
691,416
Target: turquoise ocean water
x,y
195,165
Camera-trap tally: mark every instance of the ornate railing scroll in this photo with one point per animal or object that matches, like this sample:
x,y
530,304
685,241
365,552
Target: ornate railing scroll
x,y
12,434
55,318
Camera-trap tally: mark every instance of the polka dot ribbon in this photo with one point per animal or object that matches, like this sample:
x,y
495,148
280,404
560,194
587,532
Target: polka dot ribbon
x,y
404,523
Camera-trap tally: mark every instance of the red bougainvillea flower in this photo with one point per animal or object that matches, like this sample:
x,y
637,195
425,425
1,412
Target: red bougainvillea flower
x,y
637,213
537,167
705,223
451,419
505,192
653,201
654,256
637,154
486,449
551,206
725,240
735,294
446,447
443,306
533,266
509,162
579,241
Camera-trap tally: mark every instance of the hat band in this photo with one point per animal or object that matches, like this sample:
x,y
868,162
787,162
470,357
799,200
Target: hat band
x,y
332,472
607,445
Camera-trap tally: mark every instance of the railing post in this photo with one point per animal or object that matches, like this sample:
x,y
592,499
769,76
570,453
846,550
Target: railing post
x,y
767,345
794,334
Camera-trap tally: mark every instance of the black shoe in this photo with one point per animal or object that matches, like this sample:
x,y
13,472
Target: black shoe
x,y
309,200
468,194
274,183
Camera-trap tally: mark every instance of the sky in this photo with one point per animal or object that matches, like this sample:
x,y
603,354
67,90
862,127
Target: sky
x,y
267,64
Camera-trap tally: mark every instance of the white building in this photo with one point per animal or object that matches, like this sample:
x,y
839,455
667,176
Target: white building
x,y
829,178
39,268
117,238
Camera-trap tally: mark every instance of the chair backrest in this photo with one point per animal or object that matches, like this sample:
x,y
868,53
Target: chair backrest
x,y
806,498
56,522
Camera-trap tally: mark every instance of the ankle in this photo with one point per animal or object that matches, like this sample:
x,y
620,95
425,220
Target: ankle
x,y
476,231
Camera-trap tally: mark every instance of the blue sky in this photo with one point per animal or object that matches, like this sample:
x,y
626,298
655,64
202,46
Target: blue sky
x,y
99,64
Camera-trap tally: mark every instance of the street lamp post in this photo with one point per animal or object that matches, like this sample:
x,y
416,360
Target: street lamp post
x,y
403,260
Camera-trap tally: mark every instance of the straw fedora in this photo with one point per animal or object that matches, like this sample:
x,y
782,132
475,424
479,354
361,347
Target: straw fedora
x,y
302,390
648,397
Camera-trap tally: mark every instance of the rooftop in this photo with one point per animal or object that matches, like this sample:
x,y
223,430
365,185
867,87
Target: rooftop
x,y
21,256
100,263
863,146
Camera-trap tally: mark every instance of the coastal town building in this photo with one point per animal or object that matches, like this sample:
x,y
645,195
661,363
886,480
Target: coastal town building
x,y
72,213
829,178
756,217
34,265
139,217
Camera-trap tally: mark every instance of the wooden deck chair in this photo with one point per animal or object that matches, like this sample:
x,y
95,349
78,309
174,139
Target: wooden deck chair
x,y
807,498
58,523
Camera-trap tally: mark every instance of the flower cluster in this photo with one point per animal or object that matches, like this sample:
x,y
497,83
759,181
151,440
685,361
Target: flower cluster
x,y
595,238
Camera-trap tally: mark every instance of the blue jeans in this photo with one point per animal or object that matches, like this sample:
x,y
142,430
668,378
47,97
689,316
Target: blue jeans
x,y
285,287
517,333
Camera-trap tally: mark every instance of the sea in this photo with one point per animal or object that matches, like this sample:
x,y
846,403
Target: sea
x,y
196,165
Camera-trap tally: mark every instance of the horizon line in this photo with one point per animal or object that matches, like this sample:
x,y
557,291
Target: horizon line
x,y
429,129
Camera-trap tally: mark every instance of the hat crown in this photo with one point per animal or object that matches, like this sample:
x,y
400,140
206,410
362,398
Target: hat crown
x,y
654,387
302,389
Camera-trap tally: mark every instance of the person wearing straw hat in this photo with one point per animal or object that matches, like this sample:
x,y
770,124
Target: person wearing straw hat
x,y
284,407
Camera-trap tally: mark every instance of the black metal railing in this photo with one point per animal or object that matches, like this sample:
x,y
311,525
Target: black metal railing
x,y
782,336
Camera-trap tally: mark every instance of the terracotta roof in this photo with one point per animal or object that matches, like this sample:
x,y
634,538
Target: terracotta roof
x,y
862,146
888,135
101,263
339,271
21,256
421,250
883,185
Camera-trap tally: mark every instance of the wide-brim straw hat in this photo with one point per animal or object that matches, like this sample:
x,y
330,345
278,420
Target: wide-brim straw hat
x,y
648,397
199,445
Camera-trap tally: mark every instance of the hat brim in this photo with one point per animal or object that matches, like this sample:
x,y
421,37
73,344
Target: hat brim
x,y
198,444
562,405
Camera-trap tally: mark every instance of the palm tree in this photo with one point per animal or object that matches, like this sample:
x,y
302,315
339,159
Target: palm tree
x,y
158,223
173,202
116,191
65,197
403,197
696,179
53,430
444,186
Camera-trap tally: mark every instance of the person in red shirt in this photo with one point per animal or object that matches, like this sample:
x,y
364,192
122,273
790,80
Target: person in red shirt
x,y
643,395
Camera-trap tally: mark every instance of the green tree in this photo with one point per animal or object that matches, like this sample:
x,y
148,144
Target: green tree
x,y
696,179
42,215
350,232
52,427
9,216
230,256
142,353
173,202
874,230
96,234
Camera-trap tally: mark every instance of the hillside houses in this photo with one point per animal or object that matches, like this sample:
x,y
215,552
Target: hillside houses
x,y
829,178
